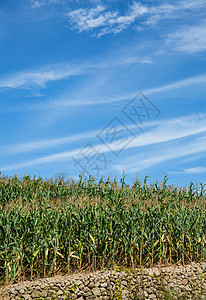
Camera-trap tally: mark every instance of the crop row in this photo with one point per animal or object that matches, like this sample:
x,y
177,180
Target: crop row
x,y
48,227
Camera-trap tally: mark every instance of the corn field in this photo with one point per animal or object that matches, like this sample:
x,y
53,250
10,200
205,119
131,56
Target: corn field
x,y
49,227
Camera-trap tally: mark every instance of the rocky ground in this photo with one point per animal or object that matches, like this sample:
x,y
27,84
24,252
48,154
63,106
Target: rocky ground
x,y
166,282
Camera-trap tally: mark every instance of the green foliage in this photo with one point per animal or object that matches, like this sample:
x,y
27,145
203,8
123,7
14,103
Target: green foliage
x,y
47,227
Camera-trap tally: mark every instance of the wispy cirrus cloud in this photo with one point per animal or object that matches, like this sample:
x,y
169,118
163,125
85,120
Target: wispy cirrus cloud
x,y
40,3
194,170
161,132
137,163
100,20
29,79
200,79
191,81
67,100
189,39
45,144
40,77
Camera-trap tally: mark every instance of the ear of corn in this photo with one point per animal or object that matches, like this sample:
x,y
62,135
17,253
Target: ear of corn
x,y
49,226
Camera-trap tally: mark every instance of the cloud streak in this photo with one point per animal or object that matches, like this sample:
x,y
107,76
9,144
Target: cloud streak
x,y
165,132
53,143
195,170
45,144
67,101
29,79
200,79
138,163
40,77
190,39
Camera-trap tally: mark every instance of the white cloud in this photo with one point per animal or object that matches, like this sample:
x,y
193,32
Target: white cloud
x,y
37,4
40,3
45,144
178,84
22,81
195,80
162,132
189,39
39,78
101,21
137,163
52,143
109,21
175,10
195,170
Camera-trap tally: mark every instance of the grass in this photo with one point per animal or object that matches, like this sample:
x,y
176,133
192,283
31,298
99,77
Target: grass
x,y
49,227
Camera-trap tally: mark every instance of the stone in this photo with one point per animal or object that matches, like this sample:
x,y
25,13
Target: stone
x,y
13,291
79,292
91,285
150,291
145,294
51,293
35,293
97,284
44,294
152,296
157,273
92,297
86,289
86,283
167,277
125,293
182,287
103,291
88,294
81,287
124,282
150,273
140,295
104,284
96,292
177,290
60,292
78,282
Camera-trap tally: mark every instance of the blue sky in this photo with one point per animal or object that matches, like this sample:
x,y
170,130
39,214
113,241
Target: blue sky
x,y
98,87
